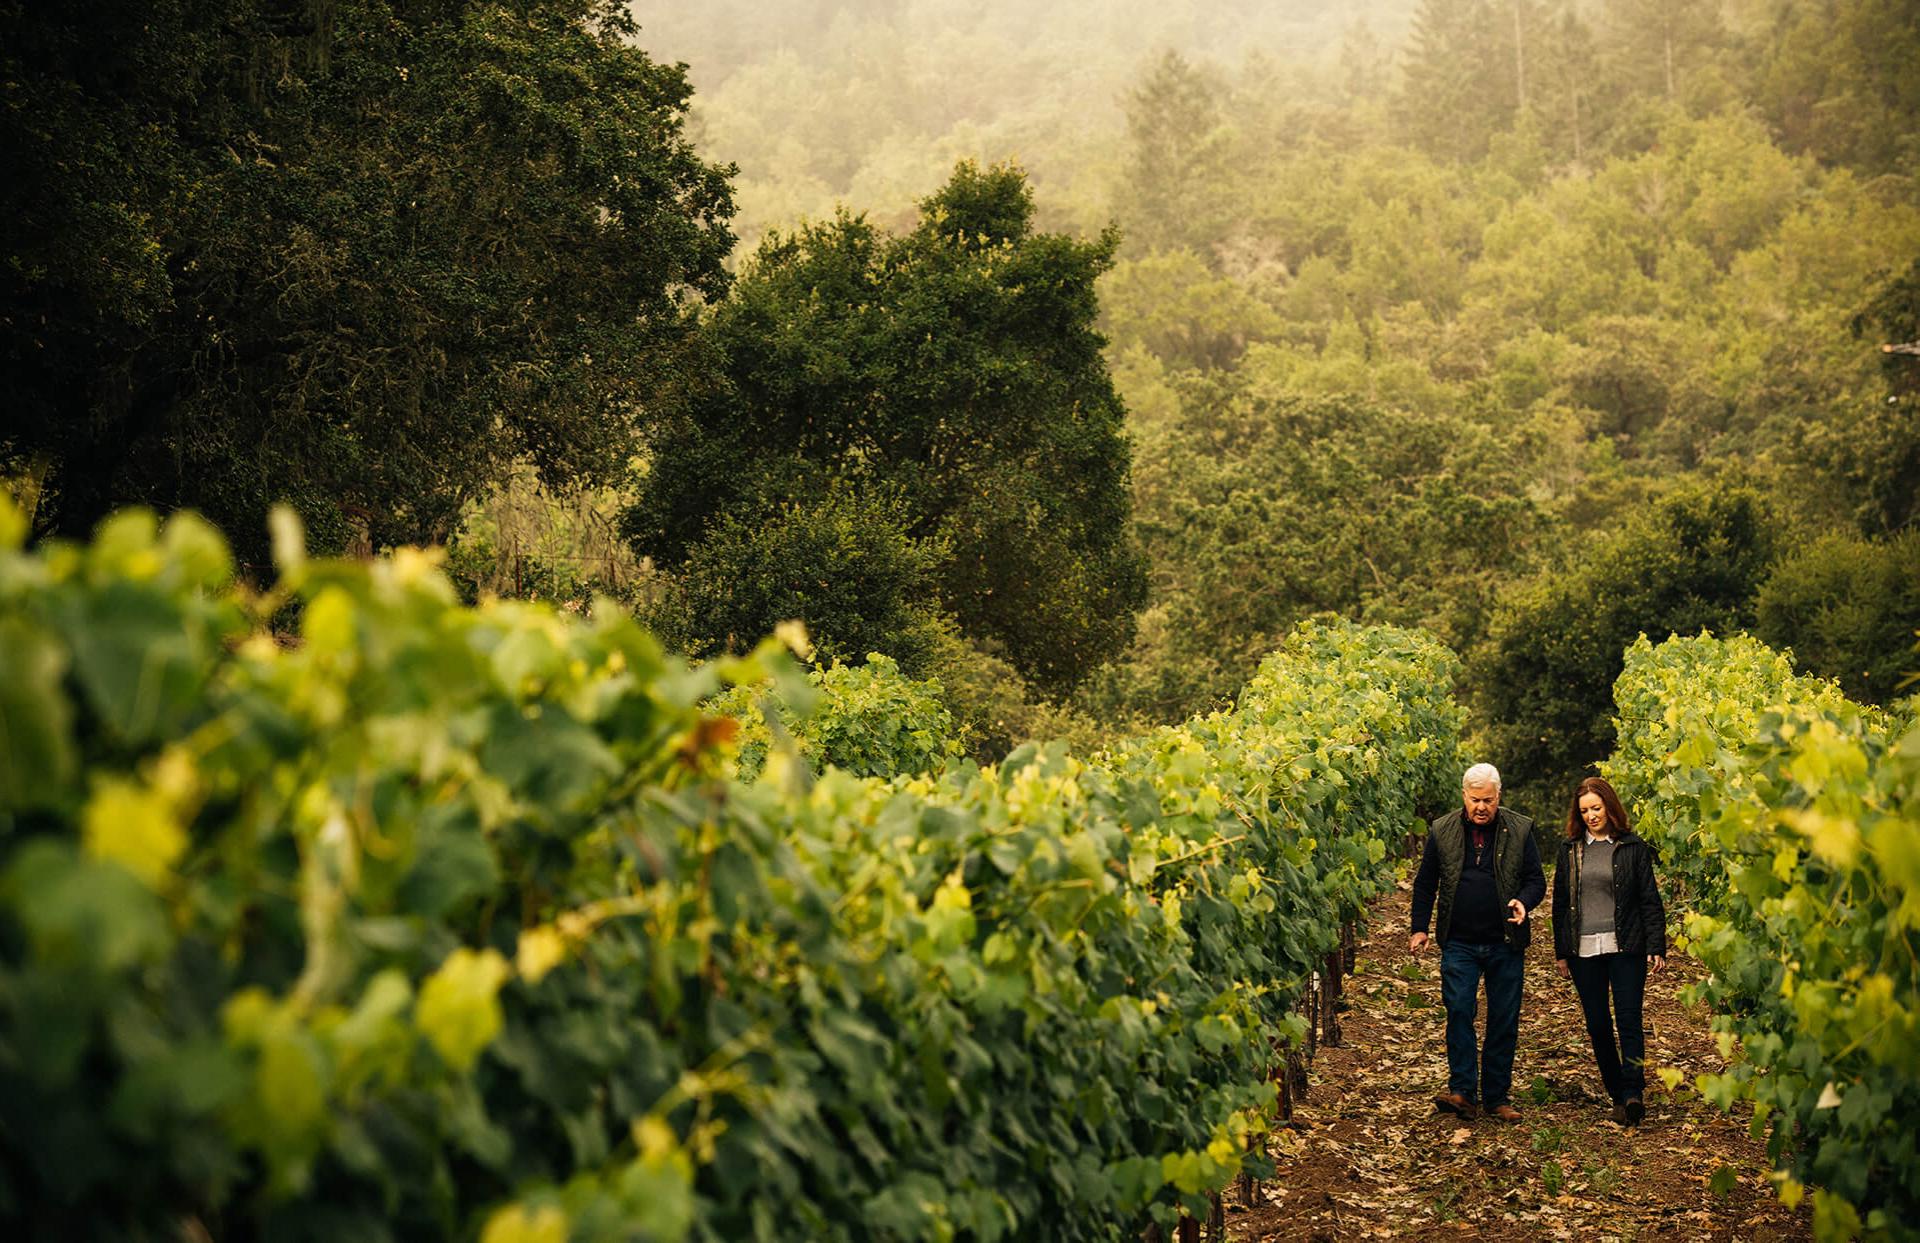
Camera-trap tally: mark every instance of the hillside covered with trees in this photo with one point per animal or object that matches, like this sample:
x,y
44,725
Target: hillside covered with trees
x,y
1507,320
1072,353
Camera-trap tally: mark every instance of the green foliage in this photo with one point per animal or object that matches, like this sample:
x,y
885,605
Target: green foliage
x,y
525,540
358,256
1177,155
1790,815
996,710
1692,562
1259,509
950,381
1604,245
1519,77
1893,315
844,562
1567,343
1459,86
1673,53
1836,79
1875,456
445,921
1185,315
865,102
869,720
1848,608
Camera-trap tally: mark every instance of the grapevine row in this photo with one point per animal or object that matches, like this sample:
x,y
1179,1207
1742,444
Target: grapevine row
x,y
453,922
1790,817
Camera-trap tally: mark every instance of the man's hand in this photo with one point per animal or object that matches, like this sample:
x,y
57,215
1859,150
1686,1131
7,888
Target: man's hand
x,y
1560,965
1417,943
1655,962
1516,914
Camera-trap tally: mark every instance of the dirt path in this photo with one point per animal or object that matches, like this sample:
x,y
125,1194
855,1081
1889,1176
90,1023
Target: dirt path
x,y
1369,1157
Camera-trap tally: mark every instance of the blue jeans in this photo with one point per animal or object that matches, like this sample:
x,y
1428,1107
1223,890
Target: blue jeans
x,y
1461,969
1622,1068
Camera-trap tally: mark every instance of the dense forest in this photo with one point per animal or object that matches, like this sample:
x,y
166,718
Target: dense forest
x,y
1509,320
1069,354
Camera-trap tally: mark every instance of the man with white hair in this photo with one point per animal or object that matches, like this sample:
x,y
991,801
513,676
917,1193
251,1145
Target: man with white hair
x,y
1483,867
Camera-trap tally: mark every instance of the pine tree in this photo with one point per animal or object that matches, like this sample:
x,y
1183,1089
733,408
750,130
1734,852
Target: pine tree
x,y
1654,46
1458,86
1177,166
1565,95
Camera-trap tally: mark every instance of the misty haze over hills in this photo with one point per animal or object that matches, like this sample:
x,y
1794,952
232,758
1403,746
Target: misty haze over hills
x,y
720,37
871,102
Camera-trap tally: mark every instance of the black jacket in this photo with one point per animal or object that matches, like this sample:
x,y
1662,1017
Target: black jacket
x,y
1639,916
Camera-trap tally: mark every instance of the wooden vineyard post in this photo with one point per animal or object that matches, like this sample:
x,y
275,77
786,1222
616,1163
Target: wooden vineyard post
x,y
1350,945
1330,985
1313,1016
1217,1219
1189,1230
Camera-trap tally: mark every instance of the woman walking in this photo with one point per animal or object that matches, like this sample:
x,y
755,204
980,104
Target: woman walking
x,y
1609,930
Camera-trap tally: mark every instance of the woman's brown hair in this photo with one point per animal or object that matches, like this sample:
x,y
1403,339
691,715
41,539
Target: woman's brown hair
x,y
1616,814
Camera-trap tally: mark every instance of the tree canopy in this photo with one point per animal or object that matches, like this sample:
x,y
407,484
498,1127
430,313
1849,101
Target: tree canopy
x,y
954,370
358,254
1544,680
1849,608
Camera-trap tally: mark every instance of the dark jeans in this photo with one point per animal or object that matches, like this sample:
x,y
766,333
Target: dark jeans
x,y
1461,969
1623,1068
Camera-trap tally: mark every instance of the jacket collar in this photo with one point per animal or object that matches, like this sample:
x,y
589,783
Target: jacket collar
x,y
1502,818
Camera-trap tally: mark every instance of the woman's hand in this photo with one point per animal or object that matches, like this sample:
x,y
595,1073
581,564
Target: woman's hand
x,y
1560,965
1655,962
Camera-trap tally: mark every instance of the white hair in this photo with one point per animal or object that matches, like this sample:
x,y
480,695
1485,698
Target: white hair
x,y
1481,775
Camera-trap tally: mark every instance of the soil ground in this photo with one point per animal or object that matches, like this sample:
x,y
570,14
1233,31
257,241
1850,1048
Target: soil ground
x,y
1370,1157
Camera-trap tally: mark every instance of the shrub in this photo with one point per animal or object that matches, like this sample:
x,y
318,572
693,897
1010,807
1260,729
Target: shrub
x,y
1849,608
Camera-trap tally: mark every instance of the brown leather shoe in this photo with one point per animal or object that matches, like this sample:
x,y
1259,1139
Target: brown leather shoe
x,y
1454,1103
1506,1113
1619,1114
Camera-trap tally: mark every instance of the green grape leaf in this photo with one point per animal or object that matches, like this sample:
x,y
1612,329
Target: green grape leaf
x,y
459,1008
